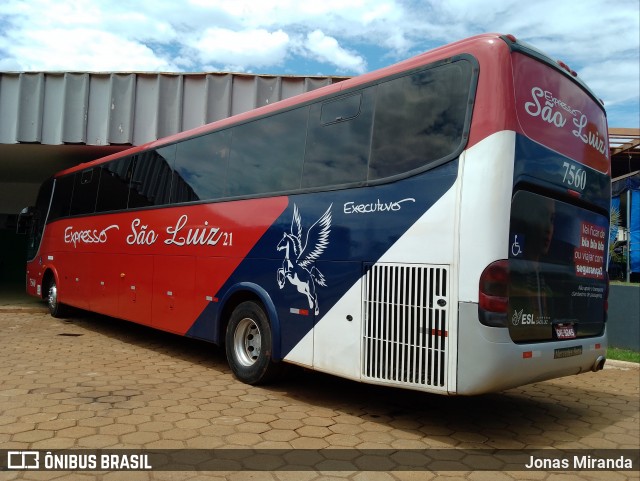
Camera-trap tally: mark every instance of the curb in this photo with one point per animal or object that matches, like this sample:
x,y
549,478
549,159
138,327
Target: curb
x,y
614,364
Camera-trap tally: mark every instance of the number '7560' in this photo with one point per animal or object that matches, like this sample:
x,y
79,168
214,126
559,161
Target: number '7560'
x,y
574,176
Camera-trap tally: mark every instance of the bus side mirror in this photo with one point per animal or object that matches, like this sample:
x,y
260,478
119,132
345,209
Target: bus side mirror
x,y
25,219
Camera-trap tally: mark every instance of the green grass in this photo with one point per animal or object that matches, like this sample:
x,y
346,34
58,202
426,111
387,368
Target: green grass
x,y
623,354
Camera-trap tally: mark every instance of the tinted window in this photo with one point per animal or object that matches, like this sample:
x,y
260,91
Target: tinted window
x,y
557,268
85,191
115,178
151,181
61,202
267,154
419,119
201,167
338,149
342,109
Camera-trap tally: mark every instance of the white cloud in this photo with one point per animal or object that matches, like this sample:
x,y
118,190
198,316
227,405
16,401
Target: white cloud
x,y
362,20
327,49
84,49
242,48
615,81
598,39
76,35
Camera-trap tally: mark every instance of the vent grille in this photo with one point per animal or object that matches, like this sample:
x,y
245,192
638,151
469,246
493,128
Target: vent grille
x,y
405,330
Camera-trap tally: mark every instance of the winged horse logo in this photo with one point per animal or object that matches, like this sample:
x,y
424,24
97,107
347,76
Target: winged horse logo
x,y
300,254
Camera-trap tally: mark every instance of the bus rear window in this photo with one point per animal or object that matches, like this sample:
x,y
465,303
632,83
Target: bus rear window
x,y
557,268
554,111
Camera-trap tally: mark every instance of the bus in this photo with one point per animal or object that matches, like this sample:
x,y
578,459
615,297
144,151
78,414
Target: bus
x,y
438,225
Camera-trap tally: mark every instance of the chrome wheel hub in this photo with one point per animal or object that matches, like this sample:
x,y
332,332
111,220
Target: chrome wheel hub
x,y
247,342
52,299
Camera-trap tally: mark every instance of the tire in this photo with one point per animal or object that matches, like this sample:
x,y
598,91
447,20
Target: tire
x,y
56,309
249,345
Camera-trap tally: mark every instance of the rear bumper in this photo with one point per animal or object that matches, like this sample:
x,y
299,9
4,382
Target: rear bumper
x,y
489,361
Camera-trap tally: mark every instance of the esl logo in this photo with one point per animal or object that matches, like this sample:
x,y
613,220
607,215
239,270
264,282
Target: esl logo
x,y
520,317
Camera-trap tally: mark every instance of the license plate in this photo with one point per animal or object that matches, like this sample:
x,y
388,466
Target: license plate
x,y
565,331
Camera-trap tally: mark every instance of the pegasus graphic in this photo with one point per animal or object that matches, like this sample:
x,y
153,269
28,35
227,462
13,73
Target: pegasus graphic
x,y
517,317
300,254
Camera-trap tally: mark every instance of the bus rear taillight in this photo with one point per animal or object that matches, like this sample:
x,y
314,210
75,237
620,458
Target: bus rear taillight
x,y
493,295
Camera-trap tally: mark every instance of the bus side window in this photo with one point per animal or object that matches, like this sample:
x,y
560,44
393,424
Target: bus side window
x,y
85,192
267,154
113,192
338,140
151,179
201,167
419,119
340,110
61,202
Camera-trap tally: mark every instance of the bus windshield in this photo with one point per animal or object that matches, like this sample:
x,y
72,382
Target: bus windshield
x,y
36,223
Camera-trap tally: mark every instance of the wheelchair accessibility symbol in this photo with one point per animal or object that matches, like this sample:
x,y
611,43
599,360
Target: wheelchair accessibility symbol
x,y
516,249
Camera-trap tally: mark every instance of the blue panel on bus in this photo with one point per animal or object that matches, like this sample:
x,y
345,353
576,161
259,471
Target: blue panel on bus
x,y
334,229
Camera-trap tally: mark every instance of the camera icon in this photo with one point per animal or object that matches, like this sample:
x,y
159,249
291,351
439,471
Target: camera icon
x,y
23,460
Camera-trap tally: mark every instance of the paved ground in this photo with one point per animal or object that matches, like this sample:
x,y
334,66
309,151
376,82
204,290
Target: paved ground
x,y
95,382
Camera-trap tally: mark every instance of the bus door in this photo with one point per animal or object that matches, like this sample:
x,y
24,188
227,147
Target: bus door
x,y
135,288
106,283
73,284
173,292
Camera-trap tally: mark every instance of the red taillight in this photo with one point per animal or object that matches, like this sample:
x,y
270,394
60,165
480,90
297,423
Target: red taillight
x,y
494,287
493,295
493,303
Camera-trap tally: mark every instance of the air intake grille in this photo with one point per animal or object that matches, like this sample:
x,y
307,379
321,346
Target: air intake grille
x,y
405,331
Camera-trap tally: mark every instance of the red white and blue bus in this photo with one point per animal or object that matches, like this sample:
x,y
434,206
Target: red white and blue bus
x,y
439,225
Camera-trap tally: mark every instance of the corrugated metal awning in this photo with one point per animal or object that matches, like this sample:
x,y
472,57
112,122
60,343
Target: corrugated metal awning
x,y
56,108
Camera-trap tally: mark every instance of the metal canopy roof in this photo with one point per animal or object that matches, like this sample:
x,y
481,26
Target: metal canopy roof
x,y
130,108
50,121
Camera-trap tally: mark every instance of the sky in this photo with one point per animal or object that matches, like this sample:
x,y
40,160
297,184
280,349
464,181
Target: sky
x,y
598,39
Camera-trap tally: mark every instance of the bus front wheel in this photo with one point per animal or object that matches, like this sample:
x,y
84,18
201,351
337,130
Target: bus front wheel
x,y
249,344
56,309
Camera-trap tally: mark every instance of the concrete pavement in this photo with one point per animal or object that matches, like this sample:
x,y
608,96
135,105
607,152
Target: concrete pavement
x,y
92,382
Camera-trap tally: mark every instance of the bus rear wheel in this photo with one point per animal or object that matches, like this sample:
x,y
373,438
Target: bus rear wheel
x,y
249,345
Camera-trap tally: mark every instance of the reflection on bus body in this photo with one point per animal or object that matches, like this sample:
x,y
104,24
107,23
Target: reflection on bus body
x,y
534,222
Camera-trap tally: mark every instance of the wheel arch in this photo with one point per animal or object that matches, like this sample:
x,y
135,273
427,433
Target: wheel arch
x,y
249,291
